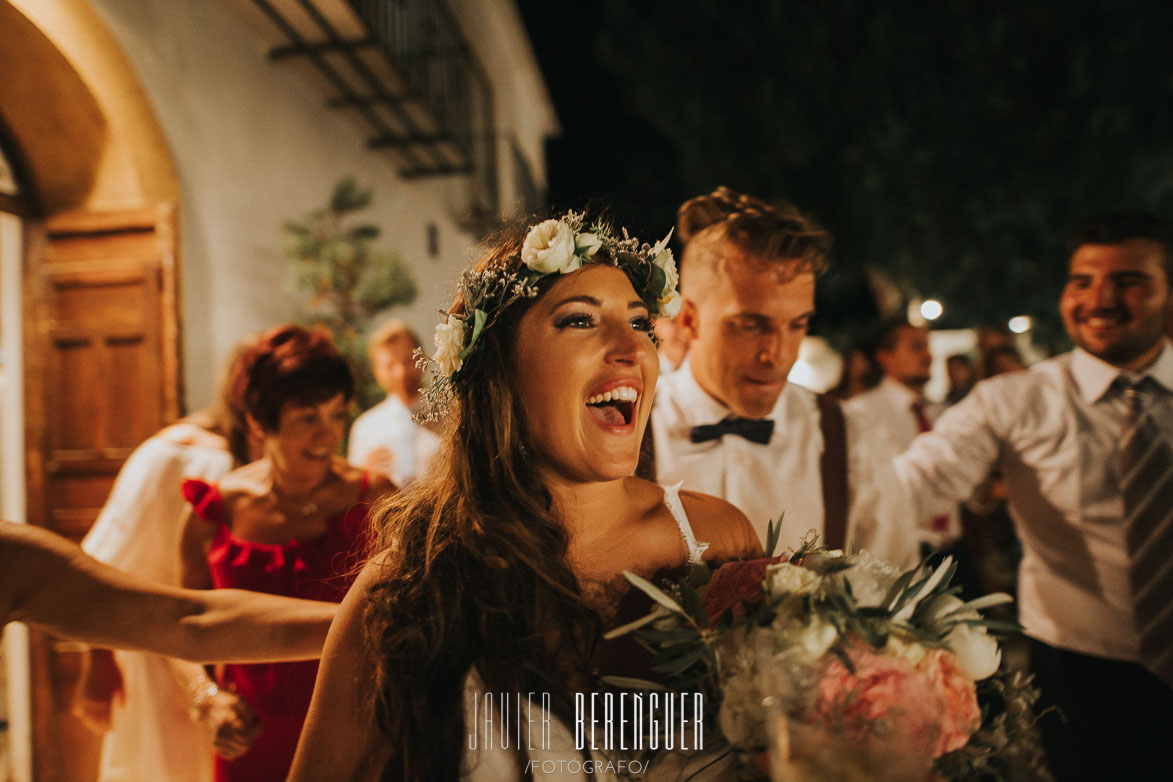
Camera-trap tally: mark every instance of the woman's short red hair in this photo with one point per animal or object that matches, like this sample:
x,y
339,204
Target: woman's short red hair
x,y
289,364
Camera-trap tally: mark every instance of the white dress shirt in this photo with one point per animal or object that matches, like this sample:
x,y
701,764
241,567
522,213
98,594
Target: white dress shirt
x,y
888,408
1053,431
390,425
666,365
782,477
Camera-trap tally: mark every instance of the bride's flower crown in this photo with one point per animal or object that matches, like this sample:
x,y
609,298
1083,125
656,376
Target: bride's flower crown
x,y
551,247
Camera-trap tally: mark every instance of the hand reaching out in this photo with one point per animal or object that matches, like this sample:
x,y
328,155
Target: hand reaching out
x,y
234,724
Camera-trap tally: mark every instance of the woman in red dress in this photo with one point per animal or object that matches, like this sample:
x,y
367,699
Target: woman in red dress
x,y
291,523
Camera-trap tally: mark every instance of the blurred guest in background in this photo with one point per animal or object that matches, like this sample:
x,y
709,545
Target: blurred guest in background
x,y
860,373
1000,359
729,424
1083,442
291,523
673,344
386,439
959,368
990,337
897,407
134,697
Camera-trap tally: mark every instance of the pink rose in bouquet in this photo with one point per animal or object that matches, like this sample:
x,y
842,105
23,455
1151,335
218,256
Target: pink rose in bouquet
x,y
880,722
962,714
886,697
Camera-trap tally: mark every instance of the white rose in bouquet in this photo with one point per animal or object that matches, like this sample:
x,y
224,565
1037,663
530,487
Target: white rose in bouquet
x,y
977,653
870,579
810,640
784,578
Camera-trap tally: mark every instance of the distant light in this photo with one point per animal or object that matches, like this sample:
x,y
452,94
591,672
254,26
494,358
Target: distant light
x,y
1020,324
931,309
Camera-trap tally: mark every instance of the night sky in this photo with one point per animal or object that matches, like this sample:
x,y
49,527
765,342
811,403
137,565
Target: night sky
x,y
605,144
946,144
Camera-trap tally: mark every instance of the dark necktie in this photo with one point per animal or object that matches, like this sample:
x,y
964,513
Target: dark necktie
x,y
1146,485
923,424
756,430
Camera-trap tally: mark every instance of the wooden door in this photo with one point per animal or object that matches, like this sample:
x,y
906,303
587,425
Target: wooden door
x,y
101,375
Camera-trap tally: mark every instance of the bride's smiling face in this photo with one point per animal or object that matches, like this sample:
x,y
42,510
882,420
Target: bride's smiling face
x,y
586,370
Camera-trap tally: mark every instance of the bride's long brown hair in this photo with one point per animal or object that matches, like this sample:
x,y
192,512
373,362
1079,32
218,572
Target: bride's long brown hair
x,y
476,574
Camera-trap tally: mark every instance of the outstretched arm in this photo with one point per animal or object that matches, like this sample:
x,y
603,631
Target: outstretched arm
x,y
942,467
47,581
340,739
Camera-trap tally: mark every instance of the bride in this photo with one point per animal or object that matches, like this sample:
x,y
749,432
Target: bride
x,y
496,575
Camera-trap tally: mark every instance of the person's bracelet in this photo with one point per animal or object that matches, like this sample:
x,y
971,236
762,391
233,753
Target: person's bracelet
x,y
201,695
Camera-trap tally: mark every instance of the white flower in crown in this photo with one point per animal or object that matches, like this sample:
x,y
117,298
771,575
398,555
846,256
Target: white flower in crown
x,y
669,299
449,339
667,262
670,307
661,255
586,245
549,247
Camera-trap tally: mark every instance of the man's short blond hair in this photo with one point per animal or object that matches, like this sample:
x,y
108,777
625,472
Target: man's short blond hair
x,y
760,232
392,332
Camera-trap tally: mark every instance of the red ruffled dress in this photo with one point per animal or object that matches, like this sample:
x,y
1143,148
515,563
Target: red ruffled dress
x,y
318,569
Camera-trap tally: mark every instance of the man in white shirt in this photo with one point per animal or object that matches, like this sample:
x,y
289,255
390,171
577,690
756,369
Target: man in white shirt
x,y
1083,444
897,406
386,439
728,423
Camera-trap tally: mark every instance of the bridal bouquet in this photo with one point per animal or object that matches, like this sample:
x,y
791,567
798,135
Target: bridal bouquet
x,y
838,666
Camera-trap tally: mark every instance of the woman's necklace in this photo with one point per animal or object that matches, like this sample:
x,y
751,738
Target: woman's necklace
x,y
307,508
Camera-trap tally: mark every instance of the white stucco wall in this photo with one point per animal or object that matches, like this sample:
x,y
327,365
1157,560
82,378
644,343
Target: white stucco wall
x,y
522,108
254,145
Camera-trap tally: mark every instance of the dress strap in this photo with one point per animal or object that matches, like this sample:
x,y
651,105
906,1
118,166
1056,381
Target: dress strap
x,y
676,508
205,499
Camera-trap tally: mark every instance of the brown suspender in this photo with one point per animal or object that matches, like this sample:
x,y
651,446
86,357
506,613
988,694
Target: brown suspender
x,y
833,471
646,467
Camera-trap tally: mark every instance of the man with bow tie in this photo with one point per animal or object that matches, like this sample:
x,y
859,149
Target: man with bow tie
x,y
728,423
1084,442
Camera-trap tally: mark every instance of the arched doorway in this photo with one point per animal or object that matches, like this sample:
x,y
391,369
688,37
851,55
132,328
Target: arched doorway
x,y
13,652
88,240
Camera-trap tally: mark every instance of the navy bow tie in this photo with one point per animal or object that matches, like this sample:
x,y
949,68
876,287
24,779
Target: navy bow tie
x,y
756,430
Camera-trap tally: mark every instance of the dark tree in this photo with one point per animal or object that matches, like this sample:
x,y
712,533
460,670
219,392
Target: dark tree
x,y
947,143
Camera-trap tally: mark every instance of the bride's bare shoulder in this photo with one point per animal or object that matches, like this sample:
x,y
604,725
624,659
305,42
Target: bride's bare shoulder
x,y
720,523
